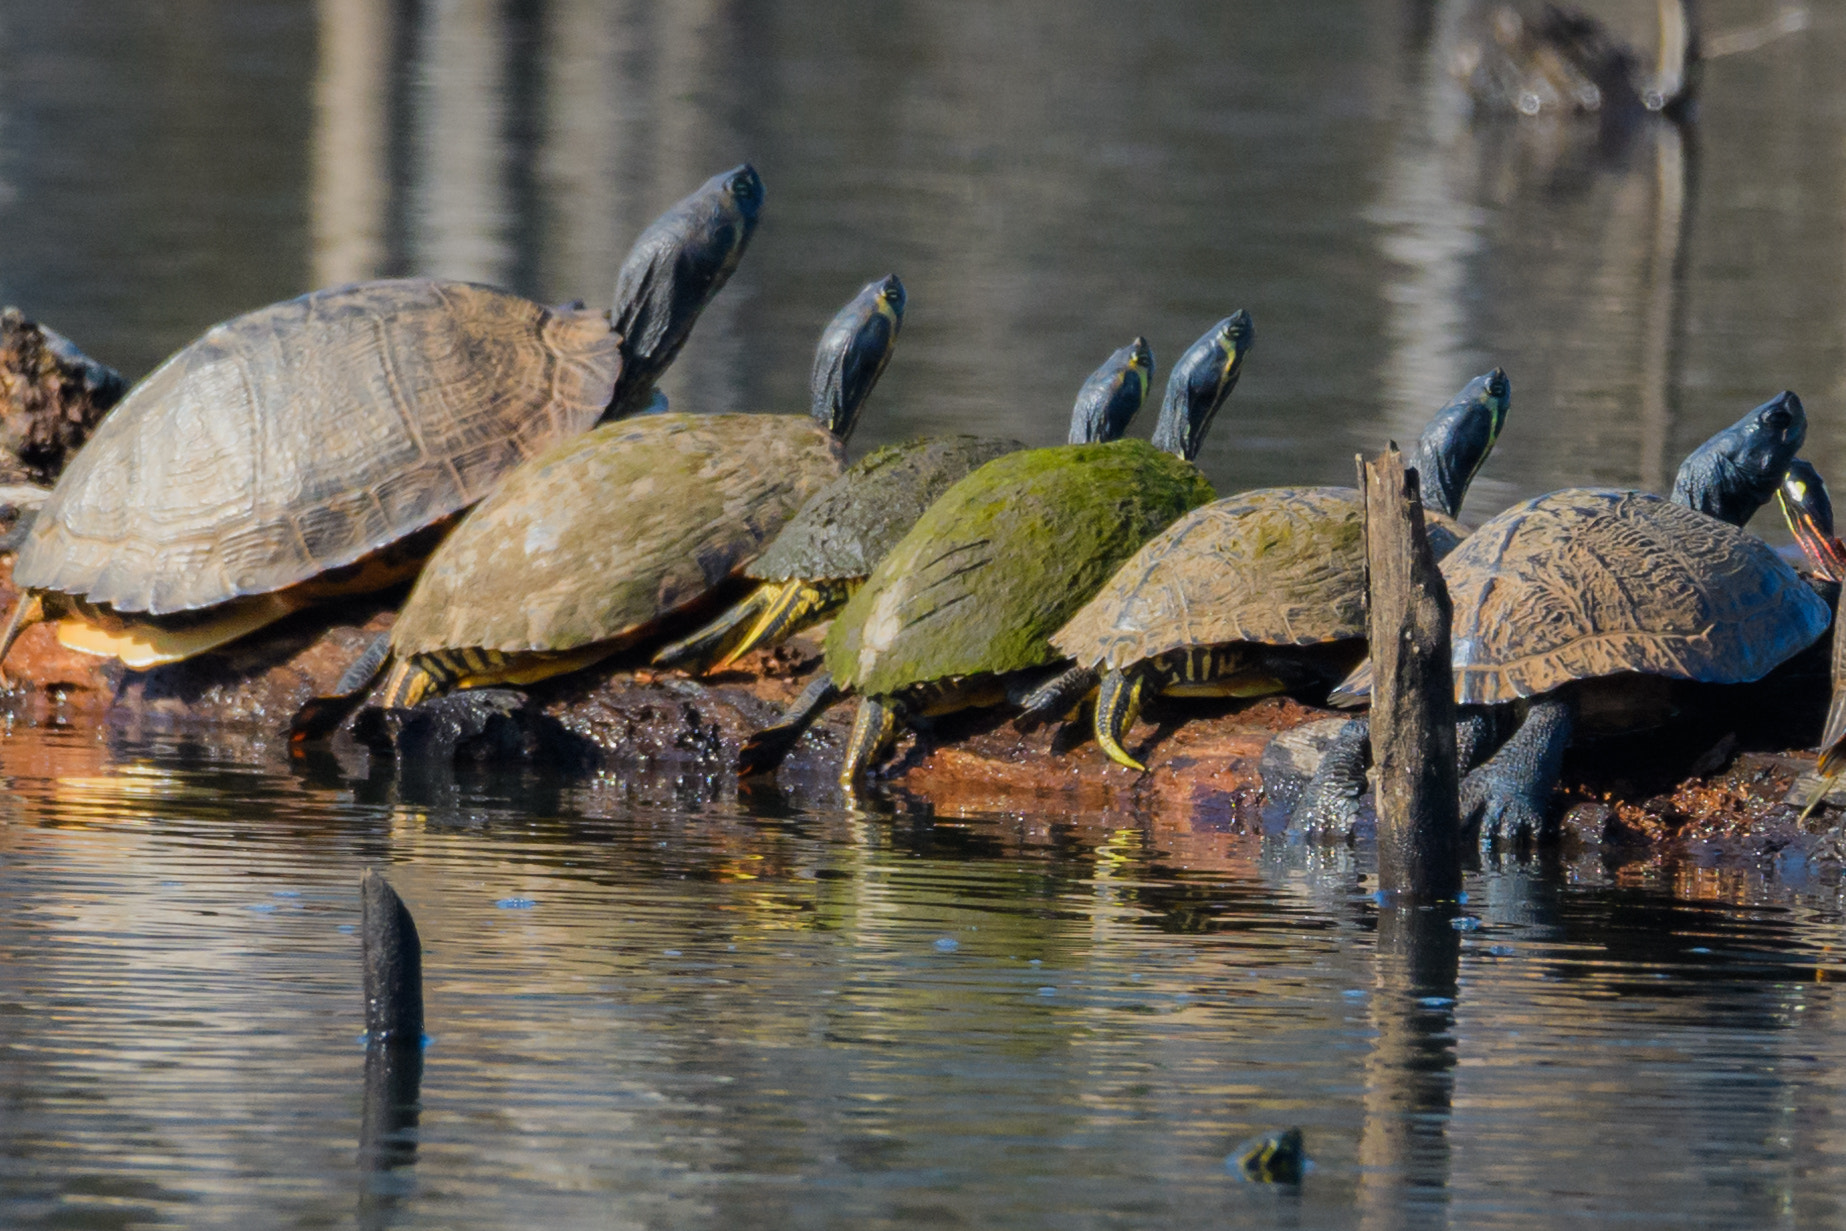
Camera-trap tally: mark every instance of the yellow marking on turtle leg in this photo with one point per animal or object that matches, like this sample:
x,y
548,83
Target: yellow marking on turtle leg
x,y
792,608
709,644
28,609
872,728
520,669
413,679
144,643
1118,702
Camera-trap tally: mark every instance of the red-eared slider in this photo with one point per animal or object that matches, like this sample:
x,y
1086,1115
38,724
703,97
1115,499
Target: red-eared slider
x,y
1260,592
320,447
1808,509
588,547
1566,598
828,548
968,599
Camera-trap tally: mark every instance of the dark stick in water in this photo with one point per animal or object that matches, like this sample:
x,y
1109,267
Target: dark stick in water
x,y
393,1026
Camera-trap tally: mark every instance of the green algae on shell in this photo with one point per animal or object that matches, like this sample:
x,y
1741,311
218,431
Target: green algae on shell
x,y
1003,559
605,534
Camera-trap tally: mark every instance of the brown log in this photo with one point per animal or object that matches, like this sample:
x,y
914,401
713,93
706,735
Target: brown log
x,y
1413,698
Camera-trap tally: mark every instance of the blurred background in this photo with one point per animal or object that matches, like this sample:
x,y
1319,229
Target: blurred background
x,y
1048,180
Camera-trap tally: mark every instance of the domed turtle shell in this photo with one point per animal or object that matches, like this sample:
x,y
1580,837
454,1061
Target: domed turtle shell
x,y
602,535
1591,582
849,527
1276,566
304,436
1002,560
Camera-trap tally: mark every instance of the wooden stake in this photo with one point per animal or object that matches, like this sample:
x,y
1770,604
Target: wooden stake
x,y
1413,690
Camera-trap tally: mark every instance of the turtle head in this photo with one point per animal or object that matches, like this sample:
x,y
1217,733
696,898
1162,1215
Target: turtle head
x,y
1459,438
1734,473
1112,396
683,258
1199,383
1809,512
853,351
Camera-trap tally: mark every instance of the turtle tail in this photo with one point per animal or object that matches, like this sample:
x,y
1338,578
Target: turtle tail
x,y
320,717
794,607
710,647
872,729
1118,703
27,611
764,751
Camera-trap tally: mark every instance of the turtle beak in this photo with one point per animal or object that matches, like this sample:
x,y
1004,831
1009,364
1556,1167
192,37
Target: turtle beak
x,y
1809,513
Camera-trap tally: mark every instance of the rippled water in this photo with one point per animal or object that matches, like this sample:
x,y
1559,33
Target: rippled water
x,y
700,1015
653,1004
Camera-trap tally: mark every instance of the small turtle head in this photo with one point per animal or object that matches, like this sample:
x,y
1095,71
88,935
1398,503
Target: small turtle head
x,y
1199,383
853,351
1112,396
678,263
1809,513
1459,438
1735,473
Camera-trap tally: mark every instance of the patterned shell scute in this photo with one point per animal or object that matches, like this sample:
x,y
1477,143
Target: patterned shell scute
x,y
1003,559
602,535
848,528
1591,582
309,434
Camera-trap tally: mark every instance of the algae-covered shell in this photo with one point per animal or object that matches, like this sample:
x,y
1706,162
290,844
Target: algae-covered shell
x,y
603,535
847,529
1002,560
1277,566
307,435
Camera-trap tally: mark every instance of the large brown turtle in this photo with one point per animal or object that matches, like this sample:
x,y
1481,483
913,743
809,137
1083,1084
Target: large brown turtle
x,y
1259,592
589,547
321,447
1563,603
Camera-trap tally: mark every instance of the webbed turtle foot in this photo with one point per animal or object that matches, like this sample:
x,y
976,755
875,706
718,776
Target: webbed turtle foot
x,y
1329,807
1509,796
1503,817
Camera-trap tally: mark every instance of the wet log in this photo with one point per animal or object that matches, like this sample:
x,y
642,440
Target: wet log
x,y
1413,699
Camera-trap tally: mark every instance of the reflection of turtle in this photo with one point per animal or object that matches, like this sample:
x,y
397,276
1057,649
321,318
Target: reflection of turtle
x,y
1273,1158
1259,592
319,447
586,548
969,598
1535,59
1560,602
828,548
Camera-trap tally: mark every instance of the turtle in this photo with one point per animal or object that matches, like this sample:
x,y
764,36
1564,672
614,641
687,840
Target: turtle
x,y
322,446
1259,592
1535,59
828,548
1808,509
960,612
1565,603
589,547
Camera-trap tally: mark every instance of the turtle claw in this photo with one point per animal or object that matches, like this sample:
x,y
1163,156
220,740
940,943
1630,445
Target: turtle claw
x,y
1503,819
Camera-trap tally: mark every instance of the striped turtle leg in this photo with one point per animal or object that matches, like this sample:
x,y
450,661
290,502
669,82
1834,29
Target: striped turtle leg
x,y
1118,702
413,679
27,611
872,729
701,651
795,607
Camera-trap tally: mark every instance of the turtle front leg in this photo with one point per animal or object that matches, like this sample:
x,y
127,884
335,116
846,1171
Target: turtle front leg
x,y
702,650
1056,697
764,751
1328,809
872,730
27,611
1118,703
1509,796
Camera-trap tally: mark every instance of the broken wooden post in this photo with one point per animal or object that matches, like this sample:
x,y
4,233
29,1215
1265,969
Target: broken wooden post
x,y
1413,697
393,1027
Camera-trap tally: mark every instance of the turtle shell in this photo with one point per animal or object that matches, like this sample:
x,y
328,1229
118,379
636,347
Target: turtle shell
x,y
847,529
309,434
602,535
1276,566
1591,582
1003,559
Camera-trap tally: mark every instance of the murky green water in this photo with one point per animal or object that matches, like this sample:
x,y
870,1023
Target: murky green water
x,y
654,1009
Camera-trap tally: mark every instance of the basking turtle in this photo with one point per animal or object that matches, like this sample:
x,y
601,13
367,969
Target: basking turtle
x,y
1256,593
1561,601
321,447
588,547
968,599
1808,510
828,548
